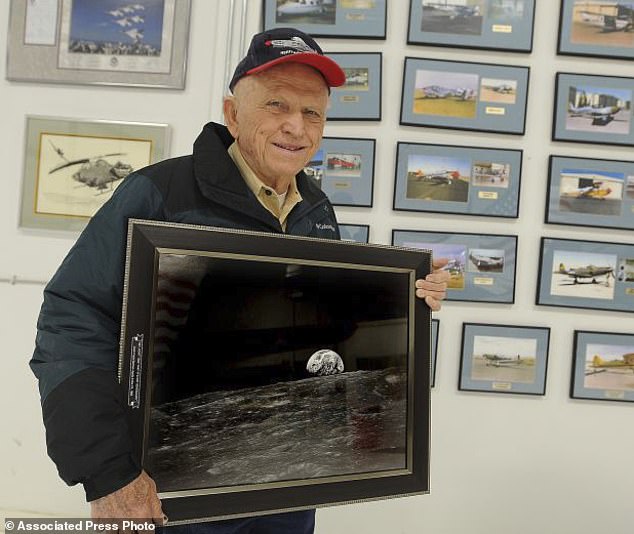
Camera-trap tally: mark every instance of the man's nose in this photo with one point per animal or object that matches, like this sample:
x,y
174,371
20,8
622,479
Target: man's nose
x,y
294,124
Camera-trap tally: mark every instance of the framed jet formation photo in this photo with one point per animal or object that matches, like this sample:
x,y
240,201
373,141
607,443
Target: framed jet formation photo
x,y
590,192
457,179
72,167
597,29
505,25
482,267
586,274
359,99
143,43
360,19
593,109
504,358
603,366
464,96
302,405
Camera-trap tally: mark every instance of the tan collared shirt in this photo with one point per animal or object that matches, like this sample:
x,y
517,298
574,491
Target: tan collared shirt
x,y
279,205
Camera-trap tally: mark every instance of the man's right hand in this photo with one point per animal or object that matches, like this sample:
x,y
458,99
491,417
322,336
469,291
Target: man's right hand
x,y
135,501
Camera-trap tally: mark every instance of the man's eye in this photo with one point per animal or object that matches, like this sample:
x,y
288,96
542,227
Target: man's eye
x,y
274,104
313,114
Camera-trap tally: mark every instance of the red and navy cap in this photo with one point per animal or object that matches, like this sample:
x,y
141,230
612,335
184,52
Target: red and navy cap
x,y
287,45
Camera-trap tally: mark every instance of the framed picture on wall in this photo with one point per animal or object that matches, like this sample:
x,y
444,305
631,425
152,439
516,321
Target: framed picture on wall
x,y
303,321
597,29
464,96
359,99
72,166
345,169
143,43
457,179
603,366
482,266
360,233
353,19
504,358
593,109
590,192
505,25
586,274
435,331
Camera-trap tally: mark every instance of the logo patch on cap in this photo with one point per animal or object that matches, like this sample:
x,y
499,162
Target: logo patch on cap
x,y
296,43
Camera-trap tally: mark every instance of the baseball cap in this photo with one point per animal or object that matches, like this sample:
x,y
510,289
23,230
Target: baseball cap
x,y
287,45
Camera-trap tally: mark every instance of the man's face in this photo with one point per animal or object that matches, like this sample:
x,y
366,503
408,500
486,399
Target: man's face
x,y
277,117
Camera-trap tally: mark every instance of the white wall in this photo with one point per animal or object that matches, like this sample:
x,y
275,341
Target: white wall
x,y
500,463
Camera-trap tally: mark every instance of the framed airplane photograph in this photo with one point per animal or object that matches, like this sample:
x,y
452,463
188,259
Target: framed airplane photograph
x,y
586,274
359,99
593,109
597,29
350,19
590,192
481,266
603,366
435,332
505,25
464,96
345,169
72,166
504,358
143,43
319,392
359,233
457,179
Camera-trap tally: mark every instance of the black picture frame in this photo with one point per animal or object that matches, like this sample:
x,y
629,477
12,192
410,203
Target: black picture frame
x,y
602,32
435,334
586,274
355,232
263,275
590,192
486,25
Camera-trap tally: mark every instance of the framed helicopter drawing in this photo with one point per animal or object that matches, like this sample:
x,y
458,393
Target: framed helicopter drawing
x,y
72,167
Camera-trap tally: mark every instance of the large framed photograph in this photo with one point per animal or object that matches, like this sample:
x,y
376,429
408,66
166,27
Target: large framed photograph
x,y
598,29
586,274
345,169
457,179
267,373
603,366
350,19
590,192
72,167
482,267
464,96
359,233
504,358
143,43
593,109
359,99
505,25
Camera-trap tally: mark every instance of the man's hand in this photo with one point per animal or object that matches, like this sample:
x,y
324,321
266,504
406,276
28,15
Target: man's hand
x,y
434,287
136,500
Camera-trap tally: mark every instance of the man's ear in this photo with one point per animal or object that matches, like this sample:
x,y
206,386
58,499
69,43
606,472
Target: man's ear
x,y
230,110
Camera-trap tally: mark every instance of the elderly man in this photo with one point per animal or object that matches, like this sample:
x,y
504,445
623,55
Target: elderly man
x,y
247,175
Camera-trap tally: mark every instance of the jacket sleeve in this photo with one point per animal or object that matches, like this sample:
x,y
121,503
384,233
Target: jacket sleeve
x,y
76,352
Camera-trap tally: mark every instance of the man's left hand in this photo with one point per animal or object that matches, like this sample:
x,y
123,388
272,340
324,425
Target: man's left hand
x,y
433,288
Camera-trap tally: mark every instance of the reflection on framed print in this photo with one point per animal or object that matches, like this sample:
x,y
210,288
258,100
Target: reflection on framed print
x,y
593,109
504,358
482,267
354,19
86,42
72,167
586,274
359,99
457,179
590,192
464,96
345,169
318,393
603,366
435,330
359,233
599,29
489,24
